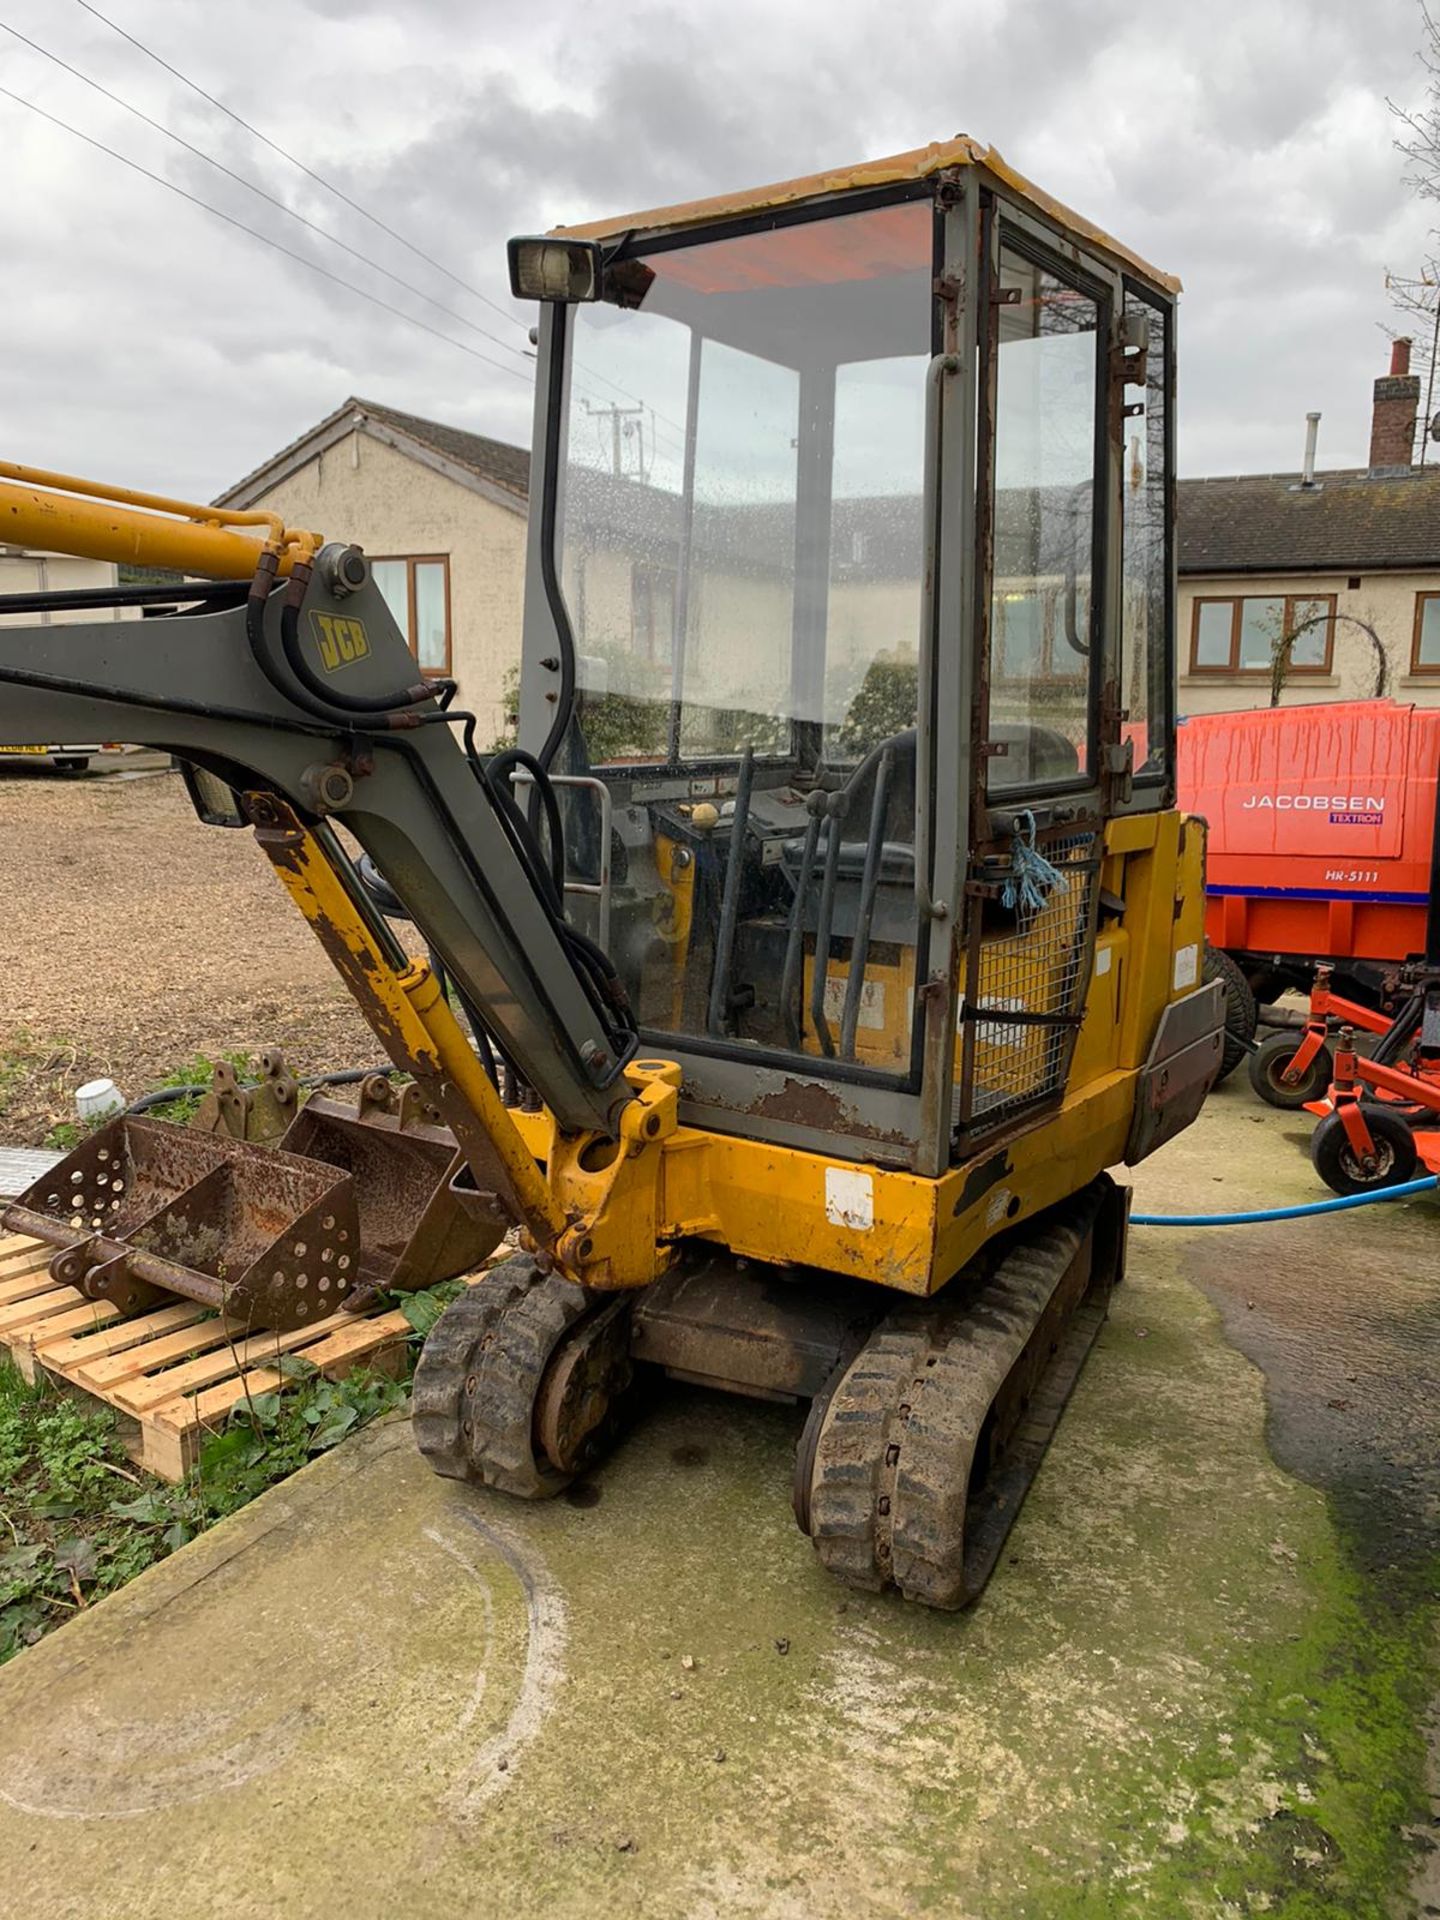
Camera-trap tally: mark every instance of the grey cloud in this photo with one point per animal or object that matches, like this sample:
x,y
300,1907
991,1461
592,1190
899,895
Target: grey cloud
x,y
1242,144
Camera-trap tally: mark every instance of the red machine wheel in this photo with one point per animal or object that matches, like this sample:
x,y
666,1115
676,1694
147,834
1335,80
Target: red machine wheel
x,y
1266,1067
1341,1168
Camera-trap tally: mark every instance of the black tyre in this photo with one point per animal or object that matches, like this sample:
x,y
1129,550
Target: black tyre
x,y
1266,1067
71,763
1240,1010
1338,1165
1267,984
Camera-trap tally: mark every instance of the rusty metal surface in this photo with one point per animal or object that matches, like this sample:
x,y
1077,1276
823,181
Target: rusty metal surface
x,y
751,1328
259,1113
583,1387
418,1223
267,1237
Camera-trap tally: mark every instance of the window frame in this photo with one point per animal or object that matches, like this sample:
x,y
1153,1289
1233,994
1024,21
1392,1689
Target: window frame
x,y
1015,233
1232,670
1417,665
640,246
410,561
1153,785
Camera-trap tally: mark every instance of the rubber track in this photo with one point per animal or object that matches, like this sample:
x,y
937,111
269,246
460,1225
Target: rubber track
x,y
502,1410
892,1468
452,1347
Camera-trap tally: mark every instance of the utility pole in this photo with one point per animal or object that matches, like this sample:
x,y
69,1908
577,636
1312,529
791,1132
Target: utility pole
x,y
615,414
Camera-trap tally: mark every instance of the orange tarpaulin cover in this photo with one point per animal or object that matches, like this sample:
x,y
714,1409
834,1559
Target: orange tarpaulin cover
x,y
869,246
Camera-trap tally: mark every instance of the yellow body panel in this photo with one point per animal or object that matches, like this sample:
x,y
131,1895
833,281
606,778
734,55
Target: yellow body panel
x,y
899,1229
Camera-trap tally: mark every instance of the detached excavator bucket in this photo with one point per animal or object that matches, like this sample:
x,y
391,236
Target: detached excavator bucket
x,y
143,1208
270,1236
417,1226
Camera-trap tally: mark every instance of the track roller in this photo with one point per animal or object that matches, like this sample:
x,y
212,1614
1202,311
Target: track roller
x,y
915,1461
522,1380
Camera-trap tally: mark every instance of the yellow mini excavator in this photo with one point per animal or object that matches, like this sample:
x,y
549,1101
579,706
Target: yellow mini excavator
x,y
832,928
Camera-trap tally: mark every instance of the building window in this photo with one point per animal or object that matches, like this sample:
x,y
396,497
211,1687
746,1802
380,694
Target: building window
x,y
416,588
1425,653
1240,634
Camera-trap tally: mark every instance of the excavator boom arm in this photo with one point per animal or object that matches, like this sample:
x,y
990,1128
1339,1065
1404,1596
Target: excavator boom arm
x,y
201,683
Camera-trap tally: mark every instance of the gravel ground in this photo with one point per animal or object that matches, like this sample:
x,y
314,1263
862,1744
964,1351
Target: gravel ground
x,y
135,938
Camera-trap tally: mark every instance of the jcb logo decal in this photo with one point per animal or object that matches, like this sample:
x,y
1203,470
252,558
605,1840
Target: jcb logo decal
x,y
341,640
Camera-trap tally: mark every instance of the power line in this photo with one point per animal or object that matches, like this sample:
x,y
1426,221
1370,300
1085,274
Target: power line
x,y
309,172
330,187
259,191
264,238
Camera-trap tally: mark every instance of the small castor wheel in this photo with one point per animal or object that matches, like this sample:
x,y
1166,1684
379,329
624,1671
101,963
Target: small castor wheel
x,y
1267,1065
1342,1169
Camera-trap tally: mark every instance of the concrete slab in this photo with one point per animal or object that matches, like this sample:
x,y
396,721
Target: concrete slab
x,y
19,1166
373,1692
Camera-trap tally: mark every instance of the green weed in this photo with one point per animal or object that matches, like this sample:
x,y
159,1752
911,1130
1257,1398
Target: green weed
x,y
76,1519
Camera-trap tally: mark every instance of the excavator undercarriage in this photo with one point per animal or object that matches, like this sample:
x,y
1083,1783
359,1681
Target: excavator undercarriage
x,y
783,998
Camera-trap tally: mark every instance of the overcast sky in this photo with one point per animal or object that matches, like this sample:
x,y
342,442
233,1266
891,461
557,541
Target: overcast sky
x,y
1244,144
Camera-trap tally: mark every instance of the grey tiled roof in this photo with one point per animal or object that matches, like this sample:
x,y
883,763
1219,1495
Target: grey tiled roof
x,y
496,461
1350,522
493,460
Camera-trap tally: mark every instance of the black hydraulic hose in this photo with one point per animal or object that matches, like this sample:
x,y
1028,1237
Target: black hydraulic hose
x,y
303,688
77,599
795,936
165,1096
381,705
498,773
820,969
865,915
718,1017
550,876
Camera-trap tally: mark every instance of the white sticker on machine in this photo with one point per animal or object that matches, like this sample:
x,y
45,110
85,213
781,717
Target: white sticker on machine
x,y
1187,966
849,1198
871,1009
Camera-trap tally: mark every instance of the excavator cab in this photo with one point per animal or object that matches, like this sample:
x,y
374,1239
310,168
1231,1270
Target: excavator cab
x,y
830,931
849,630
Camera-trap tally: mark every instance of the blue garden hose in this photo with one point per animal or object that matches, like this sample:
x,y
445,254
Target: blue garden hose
x,y
1339,1205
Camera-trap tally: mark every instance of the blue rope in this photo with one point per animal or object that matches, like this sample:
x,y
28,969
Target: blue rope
x,y
1031,879
1283,1213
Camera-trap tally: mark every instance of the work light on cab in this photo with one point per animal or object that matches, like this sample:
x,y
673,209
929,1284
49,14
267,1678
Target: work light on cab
x,y
562,270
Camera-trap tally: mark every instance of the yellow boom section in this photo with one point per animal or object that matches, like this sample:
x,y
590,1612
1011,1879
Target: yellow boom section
x,y
57,513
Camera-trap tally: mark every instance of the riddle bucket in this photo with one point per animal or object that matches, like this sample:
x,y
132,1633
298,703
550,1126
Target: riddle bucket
x,y
352,1200
144,1208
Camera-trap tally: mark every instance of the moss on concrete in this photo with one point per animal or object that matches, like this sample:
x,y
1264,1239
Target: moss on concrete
x,y
1181,1696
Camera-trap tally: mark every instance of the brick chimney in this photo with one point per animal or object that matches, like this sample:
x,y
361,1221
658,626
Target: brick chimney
x,y
1392,424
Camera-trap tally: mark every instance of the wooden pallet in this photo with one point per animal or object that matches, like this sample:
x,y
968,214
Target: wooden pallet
x,y
172,1374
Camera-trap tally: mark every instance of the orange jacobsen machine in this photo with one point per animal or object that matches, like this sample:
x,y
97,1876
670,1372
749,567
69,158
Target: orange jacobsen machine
x,y
831,930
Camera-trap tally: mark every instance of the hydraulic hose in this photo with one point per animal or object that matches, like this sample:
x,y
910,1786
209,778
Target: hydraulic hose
x,y
165,1096
497,772
386,712
1339,1205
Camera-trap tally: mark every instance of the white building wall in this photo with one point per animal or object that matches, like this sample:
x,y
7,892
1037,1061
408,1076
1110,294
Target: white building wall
x,y
1385,601
23,570
364,491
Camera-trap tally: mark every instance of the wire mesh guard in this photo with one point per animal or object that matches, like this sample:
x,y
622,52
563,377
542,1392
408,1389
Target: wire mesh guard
x,y
1030,976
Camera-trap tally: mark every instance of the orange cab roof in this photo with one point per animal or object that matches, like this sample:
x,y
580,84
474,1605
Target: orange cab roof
x,y
898,168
